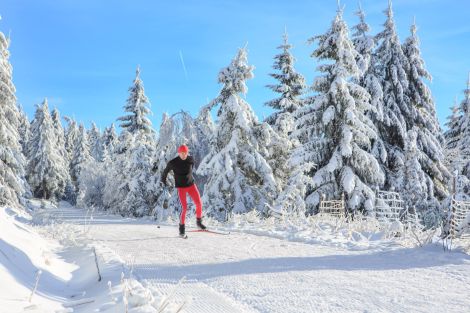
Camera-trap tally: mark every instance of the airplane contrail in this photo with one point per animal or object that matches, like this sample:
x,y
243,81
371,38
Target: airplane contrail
x,y
184,66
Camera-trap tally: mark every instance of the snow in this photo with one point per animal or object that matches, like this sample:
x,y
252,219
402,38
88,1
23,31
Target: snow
x,y
370,125
291,264
23,253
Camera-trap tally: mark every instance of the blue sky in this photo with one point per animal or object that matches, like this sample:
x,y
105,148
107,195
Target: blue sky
x,y
82,54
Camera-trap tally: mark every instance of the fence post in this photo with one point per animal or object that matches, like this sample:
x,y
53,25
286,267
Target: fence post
x,y
452,215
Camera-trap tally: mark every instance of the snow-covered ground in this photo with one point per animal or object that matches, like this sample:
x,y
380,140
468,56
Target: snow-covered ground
x,y
318,266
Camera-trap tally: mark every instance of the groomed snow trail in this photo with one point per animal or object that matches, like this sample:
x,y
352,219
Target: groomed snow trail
x,y
249,273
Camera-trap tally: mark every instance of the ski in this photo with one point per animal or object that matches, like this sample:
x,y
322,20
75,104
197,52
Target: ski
x,y
208,231
183,237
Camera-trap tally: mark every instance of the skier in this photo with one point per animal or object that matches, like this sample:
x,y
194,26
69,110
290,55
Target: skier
x,y
182,167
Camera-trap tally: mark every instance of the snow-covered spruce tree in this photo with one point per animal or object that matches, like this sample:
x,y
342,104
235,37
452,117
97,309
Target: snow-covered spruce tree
x,y
429,136
205,127
71,136
456,136
60,136
117,188
93,174
416,184
109,139
71,139
95,142
289,176
81,156
13,185
137,107
239,177
100,180
131,187
64,155
363,42
167,144
391,67
91,184
452,137
290,87
464,143
142,187
293,173
368,78
345,164
47,171
143,184
97,174
23,130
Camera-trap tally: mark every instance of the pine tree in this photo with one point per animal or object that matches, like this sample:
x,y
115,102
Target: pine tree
x,y
368,78
416,184
60,137
62,150
366,61
117,178
290,87
345,164
293,170
47,172
137,107
96,145
205,128
464,143
109,139
91,184
239,177
101,175
71,137
81,156
142,184
13,186
452,137
391,67
131,187
24,130
167,144
429,136
93,172
291,84
363,43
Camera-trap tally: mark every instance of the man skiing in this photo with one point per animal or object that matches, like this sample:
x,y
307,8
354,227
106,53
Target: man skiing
x,y
182,167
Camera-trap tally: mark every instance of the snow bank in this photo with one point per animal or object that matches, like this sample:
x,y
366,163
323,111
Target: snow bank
x,y
38,247
363,233
23,253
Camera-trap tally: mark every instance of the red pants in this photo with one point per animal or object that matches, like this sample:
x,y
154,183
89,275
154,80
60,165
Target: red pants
x,y
194,194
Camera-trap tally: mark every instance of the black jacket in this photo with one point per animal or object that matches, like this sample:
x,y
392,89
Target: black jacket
x,y
182,170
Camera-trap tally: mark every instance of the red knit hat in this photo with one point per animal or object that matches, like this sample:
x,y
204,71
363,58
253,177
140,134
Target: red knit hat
x,y
183,148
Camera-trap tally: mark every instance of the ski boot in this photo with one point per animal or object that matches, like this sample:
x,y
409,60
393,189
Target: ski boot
x,y
182,232
200,225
